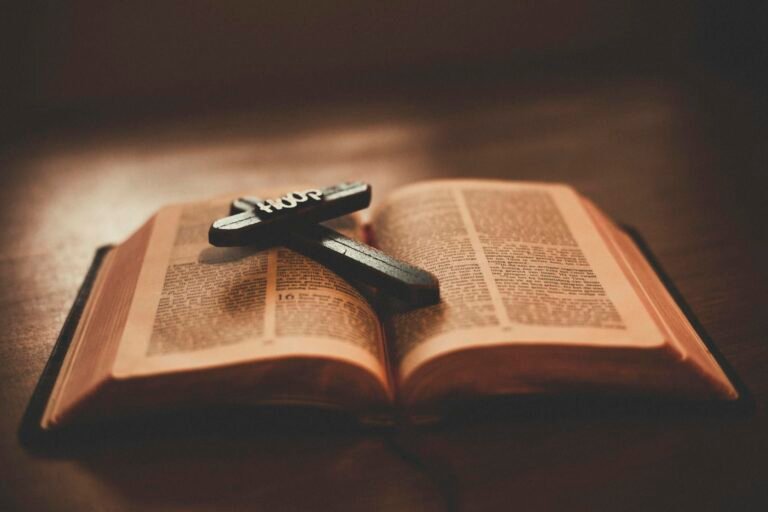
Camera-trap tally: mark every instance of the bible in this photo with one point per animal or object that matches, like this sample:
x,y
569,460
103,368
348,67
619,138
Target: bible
x,y
541,295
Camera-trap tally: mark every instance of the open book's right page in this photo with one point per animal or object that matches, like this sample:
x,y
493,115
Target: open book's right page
x,y
520,265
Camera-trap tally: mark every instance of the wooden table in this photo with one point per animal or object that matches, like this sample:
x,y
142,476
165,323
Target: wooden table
x,y
679,161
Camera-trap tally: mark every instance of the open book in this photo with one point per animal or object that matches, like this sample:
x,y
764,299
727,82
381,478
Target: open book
x,y
541,294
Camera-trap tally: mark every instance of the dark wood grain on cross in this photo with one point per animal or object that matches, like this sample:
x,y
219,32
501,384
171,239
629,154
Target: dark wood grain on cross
x,y
680,162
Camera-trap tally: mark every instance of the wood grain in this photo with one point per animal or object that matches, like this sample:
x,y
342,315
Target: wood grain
x,y
680,162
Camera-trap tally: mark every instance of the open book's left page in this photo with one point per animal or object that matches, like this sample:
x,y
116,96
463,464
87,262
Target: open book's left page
x,y
264,324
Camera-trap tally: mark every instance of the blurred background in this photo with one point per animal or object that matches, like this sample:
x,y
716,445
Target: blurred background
x,y
80,61
150,102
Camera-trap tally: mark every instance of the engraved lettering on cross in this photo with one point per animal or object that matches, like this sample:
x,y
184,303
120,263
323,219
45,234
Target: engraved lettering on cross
x,y
290,200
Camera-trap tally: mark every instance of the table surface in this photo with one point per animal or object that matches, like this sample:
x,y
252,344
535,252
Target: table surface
x,y
680,162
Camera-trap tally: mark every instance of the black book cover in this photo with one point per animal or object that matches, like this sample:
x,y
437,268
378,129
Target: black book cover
x,y
31,432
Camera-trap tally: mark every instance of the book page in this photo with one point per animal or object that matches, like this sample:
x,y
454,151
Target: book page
x,y
95,342
661,304
517,263
197,306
